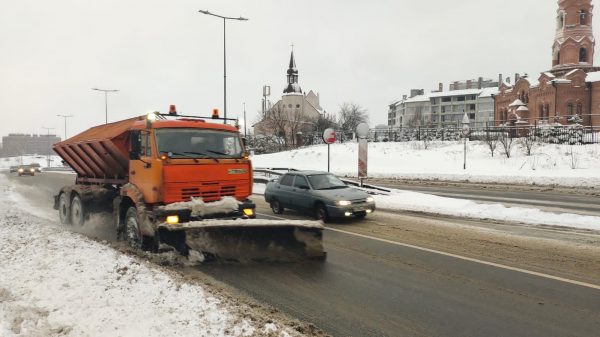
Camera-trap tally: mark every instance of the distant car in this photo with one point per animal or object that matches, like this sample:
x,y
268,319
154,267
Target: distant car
x,y
26,170
320,193
13,169
36,166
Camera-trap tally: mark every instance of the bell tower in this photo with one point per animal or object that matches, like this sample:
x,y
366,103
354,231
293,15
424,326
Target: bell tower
x,y
574,42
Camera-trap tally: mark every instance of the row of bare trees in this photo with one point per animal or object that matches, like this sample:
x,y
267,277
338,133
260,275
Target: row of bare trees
x,y
285,127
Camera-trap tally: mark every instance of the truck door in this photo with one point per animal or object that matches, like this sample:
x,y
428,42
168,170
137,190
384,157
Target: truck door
x,y
144,170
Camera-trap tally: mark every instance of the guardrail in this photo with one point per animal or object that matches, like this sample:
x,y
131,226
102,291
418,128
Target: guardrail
x,y
278,171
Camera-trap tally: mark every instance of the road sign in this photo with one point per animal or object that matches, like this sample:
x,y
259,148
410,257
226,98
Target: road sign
x,y
362,130
329,136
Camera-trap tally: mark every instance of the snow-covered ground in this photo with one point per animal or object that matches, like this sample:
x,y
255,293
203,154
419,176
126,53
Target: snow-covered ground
x,y
57,283
548,165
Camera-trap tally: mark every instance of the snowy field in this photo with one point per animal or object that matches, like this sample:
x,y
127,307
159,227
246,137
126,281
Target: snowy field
x,y
550,164
57,283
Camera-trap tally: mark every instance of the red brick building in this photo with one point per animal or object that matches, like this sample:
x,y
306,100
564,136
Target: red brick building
x,y
571,87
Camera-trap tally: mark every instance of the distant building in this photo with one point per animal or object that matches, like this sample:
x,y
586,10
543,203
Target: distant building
x,y
294,105
446,108
16,144
570,90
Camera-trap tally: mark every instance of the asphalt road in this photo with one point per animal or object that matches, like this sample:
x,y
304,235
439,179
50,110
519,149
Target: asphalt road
x,y
369,287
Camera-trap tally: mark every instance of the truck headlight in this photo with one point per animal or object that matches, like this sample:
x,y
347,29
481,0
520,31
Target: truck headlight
x,y
370,199
173,219
344,202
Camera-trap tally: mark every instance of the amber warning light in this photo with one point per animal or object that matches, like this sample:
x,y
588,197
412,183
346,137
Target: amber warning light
x,y
215,113
172,109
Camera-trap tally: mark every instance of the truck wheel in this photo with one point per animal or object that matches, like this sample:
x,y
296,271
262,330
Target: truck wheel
x,y
77,211
276,206
63,209
132,229
321,212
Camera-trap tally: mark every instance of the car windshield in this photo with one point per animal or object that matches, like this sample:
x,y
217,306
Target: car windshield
x,y
325,182
199,143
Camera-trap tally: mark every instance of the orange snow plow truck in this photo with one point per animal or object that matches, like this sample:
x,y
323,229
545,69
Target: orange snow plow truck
x,y
177,182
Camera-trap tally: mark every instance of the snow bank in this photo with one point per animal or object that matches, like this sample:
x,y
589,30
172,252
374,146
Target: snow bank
x,y
6,163
549,164
57,283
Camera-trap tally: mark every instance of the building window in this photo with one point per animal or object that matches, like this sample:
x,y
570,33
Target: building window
x,y
579,108
446,99
297,105
570,109
561,20
582,17
582,55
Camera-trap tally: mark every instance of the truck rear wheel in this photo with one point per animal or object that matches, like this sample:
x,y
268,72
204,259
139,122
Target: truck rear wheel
x,y
77,211
63,209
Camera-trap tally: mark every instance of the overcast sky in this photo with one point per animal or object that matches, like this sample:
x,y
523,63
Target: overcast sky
x,y
164,52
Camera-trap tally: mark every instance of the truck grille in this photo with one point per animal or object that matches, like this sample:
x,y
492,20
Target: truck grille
x,y
208,191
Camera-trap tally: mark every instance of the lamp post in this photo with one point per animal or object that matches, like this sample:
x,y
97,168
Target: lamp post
x,y
225,18
65,117
48,143
245,134
105,91
465,132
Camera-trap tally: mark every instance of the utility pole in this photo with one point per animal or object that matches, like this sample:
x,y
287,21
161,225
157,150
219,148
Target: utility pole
x,y
65,117
106,91
245,134
48,144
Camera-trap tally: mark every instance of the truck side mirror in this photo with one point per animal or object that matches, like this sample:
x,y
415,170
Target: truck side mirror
x,y
136,145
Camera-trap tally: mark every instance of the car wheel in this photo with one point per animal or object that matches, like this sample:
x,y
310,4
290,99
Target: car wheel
x,y
276,206
77,211
63,209
321,212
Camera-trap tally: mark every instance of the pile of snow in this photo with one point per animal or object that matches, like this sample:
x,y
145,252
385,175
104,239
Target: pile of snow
x,y
200,208
57,283
550,164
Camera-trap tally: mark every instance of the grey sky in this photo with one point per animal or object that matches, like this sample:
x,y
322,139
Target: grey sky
x,y
165,52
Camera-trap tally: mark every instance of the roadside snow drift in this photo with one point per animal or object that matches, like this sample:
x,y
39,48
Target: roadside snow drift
x,y
57,283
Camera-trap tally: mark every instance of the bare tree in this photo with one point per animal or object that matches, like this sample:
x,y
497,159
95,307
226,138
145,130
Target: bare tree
x,y
491,140
506,140
528,143
284,126
418,118
350,115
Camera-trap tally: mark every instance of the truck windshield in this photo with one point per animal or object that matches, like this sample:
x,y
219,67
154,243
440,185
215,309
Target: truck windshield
x,y
198,143
325,182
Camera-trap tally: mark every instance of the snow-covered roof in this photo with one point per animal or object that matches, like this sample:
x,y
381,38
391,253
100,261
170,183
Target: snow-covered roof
x,y
455,93
523,108
571,72
561,80
517,102
593,77
549,74
419,98
532,82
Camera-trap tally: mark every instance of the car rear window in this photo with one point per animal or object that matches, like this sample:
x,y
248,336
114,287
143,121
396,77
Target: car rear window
x,y
286,180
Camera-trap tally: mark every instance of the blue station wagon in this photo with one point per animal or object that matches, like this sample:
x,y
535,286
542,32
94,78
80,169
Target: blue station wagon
x,y
322,194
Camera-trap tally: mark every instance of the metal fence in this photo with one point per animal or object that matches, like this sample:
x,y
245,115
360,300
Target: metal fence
x,y
552,134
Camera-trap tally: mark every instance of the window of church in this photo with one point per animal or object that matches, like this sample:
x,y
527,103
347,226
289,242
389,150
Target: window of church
x,y
561,20
579,108
297,105
582,17
582,55
570,108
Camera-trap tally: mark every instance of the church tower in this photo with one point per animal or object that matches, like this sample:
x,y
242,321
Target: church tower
x,y
292,78
574,42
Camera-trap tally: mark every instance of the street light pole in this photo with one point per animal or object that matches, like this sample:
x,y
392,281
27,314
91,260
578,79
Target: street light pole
x,y
245,134
105,91
65,117
225,18
48,142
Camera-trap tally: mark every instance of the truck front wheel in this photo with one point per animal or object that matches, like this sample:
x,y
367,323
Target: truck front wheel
x,y
133,235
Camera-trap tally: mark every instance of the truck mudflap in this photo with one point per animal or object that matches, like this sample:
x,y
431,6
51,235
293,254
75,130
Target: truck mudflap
x,y
251,239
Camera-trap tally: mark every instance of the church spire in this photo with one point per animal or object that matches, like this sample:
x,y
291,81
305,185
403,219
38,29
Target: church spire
x,y
574,42
292,77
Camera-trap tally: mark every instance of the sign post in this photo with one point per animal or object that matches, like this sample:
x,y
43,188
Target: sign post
x,y
362,133
329,137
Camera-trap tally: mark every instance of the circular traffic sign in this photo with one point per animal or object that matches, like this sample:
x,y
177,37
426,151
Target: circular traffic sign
x,y
329,136
362,130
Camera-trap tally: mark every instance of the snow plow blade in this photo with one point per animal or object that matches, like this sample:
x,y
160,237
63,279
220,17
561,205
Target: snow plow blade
x,y
254,239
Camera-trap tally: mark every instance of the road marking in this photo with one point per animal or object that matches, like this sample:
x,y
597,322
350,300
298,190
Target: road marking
x,y
470,259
